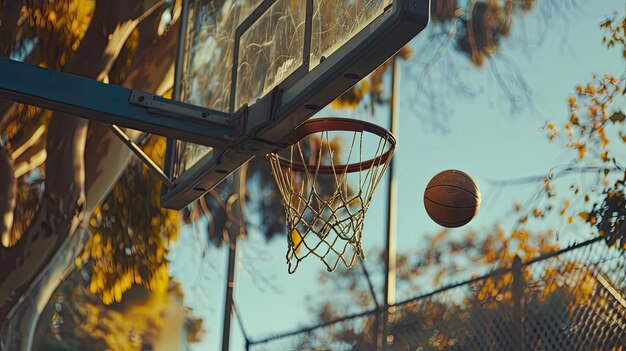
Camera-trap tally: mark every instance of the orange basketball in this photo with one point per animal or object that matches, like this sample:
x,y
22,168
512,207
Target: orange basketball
x,y
452,198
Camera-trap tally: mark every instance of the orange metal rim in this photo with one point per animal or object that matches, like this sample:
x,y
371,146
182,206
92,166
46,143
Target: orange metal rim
x,y
327,124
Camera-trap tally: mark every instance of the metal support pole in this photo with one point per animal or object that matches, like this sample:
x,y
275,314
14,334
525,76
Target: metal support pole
x,y
168,164
239,187
390,244
240,322
518,293
230,284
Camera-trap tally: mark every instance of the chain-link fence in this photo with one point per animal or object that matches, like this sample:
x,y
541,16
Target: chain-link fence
x,y
573,299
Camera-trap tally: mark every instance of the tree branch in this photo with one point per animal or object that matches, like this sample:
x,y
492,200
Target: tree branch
x,y
29,134
10,15
553,175
6,109
8,197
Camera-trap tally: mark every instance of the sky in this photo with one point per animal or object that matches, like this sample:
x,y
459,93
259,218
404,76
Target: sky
x,y
484,137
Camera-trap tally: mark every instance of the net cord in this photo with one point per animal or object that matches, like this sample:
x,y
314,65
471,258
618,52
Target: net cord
x,y
301,198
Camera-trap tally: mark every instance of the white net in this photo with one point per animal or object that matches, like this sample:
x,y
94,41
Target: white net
x,y
327,190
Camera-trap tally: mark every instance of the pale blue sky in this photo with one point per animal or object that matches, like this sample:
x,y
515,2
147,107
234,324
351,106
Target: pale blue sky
x,y
484,138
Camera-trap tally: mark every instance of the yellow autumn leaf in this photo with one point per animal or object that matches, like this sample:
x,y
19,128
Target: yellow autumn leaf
x,y
520,235
571,101
581,151
437,278
52,17
604,156
296,239
93,286
547,185
117,291
579,90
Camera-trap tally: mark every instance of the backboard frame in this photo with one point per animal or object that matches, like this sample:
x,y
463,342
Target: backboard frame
x,y
263,124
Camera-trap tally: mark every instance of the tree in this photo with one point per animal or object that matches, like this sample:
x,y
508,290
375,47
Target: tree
x,y
54,179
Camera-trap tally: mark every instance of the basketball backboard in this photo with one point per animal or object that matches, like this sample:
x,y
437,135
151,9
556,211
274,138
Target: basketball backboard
x,y
271,64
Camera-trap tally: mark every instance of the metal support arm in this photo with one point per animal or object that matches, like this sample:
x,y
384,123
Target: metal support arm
x,y
113,104
142,156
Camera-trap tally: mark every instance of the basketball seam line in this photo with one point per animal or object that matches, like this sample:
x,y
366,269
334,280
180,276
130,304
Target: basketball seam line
x,y
458,187
448,206
465,175
446,223
456,171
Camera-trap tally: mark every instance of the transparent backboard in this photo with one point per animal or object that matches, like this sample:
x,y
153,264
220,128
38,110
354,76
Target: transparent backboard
x,y
208,47
236,52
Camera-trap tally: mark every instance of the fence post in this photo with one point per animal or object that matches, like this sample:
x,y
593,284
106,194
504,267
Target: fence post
x,y
518,294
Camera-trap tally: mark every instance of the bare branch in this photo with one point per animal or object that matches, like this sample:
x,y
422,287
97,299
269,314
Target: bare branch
x,y
553,174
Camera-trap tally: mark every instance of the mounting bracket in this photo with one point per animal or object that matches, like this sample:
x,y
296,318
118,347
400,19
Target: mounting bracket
x,y
166,107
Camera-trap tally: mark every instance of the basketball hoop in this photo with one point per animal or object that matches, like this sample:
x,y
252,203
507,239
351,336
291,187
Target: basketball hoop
x,y
326,192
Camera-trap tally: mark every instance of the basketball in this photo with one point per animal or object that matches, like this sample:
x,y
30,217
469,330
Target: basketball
x,y
452,198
